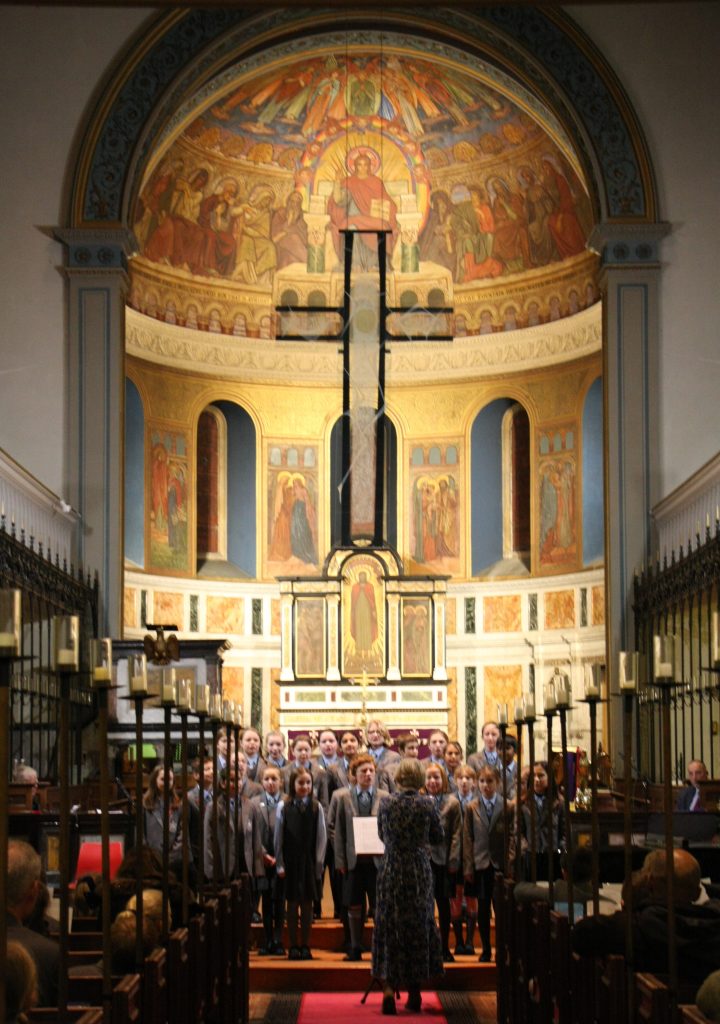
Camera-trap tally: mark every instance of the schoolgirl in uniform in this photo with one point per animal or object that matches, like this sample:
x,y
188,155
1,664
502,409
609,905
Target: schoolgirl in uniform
x,y
446,856
300,841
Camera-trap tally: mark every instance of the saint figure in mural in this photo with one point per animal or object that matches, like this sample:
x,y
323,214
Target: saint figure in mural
x,y
160,486
294,530
363,614
255,258
176,517
360,200
289,232
557,522
302,541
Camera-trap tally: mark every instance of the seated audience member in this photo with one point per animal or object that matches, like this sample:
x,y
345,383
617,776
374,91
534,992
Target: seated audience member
x,y
708,996
527,892
123,885
697,925
22,888
151,906
689,796
123,939
27,776
20,983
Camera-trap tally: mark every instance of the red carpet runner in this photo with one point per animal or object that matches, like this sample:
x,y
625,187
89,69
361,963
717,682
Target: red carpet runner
x,y
346,1007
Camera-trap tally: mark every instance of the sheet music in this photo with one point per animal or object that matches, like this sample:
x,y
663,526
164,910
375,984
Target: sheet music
x,y
366,835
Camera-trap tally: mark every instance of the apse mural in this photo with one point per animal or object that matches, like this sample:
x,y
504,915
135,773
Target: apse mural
x,y
257,188
168,521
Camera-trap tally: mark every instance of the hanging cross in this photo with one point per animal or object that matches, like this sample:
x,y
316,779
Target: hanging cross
x,y
362,518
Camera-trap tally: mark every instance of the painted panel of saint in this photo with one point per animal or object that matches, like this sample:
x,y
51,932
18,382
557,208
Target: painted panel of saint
x,y
363,611
558,540
292,544
310,638
168,492
435,521
416,637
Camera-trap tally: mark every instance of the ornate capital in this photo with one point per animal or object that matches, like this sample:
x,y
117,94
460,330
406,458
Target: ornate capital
x,y
96,249
622,245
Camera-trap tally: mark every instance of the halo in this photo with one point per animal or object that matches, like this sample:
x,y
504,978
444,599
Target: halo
x,y
372,155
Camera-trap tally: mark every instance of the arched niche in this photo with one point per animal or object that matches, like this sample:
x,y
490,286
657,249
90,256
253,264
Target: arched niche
x,y
500,489
226,492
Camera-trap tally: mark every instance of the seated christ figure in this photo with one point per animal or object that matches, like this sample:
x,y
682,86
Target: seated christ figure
x,y
361,201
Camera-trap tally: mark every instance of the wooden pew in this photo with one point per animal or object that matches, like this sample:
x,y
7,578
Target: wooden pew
x,y
211,913
653,1000
690,1014
178,977
197,953
539,974
127,1000
154,996
582,988
611,989
85,940
227,959
560,994
75,1015
241,892
505,948
523,941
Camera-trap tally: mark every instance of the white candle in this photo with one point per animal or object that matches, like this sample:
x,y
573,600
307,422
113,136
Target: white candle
x,y
627,670
502,714
66,656
101,674
202,699
592,690
183,694
550,701
138,685
664,656
529,707
518,711
563,697
716,640
167,692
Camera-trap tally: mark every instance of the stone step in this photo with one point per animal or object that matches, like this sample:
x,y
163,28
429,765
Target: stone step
x,y
329,972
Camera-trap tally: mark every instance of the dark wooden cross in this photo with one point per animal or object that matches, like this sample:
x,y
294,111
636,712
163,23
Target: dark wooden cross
x,y
345,312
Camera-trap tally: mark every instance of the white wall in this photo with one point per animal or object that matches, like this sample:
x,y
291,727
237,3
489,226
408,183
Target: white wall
x,y
666,56
51,59
50,63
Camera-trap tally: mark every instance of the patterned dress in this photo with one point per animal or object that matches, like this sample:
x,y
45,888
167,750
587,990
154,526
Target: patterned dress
x,y
406,945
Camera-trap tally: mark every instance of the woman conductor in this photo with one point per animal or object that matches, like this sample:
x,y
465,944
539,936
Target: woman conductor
x,y
406,945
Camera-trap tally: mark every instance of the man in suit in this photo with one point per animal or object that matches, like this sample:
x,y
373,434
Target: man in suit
x,y
689,796
359,872
22,889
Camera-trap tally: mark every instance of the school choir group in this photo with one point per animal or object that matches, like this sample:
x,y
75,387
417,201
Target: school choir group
x,y
294,820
